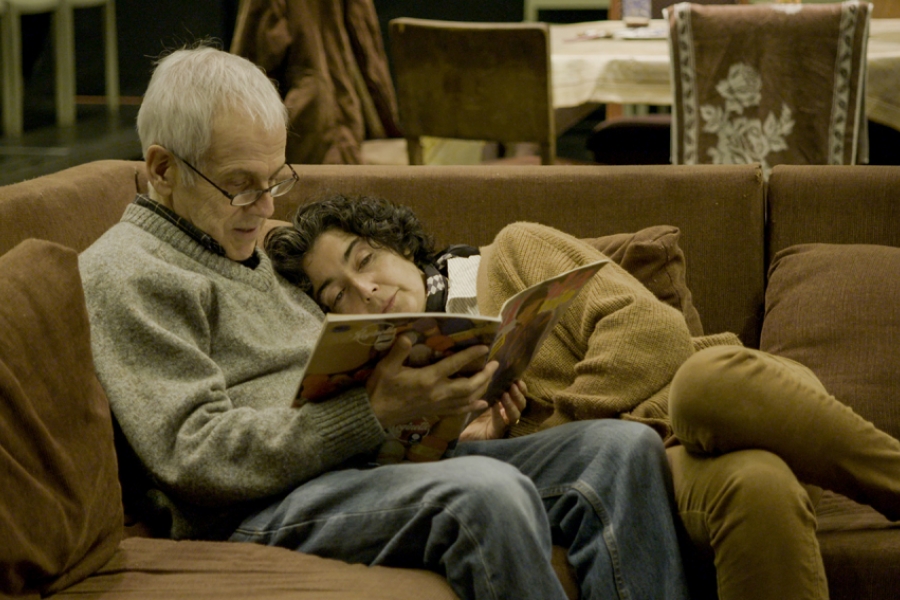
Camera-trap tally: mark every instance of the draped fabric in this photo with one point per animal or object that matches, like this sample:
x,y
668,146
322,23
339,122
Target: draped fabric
x,y
776,83
329,61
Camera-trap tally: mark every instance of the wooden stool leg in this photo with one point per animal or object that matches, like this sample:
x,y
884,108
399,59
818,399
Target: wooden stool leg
x,y
11,42
64,48
111,47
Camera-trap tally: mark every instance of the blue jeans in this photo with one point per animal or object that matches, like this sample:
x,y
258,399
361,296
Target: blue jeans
x,y
487,517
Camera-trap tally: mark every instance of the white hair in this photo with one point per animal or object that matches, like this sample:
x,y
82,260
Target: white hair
x,y
189,88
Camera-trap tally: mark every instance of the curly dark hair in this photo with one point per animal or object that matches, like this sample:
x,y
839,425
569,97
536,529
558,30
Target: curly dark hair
x,y
377,220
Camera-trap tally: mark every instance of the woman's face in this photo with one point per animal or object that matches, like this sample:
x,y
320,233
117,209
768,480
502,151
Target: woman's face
x,y
350,276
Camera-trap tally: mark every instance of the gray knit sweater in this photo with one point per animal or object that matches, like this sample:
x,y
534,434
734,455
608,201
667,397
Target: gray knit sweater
x,y
200,357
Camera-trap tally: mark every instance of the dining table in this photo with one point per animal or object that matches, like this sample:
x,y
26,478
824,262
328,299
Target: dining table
x,y
605,62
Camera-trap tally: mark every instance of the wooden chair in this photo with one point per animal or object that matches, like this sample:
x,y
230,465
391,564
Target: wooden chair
x,y
65,39
473,81
11,56
64,58
769,83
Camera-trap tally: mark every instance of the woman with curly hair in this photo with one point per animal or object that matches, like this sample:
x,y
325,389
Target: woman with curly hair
x,y
743,428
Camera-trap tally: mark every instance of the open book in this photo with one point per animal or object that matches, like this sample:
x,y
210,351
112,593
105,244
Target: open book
x,y
350,346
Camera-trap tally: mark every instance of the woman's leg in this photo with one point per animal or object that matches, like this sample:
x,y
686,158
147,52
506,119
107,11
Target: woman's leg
x,y
746,512
729,398
476,520
607,490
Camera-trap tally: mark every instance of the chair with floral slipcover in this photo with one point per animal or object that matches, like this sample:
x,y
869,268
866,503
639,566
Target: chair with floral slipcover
x,y
769,83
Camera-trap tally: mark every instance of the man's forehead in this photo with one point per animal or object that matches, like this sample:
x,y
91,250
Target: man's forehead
x,y
234,136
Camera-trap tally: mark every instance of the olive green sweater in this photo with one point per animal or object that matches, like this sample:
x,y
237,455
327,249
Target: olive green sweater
x,y
615,350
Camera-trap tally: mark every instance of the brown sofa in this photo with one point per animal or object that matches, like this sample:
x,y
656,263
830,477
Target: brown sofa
x,y
62,522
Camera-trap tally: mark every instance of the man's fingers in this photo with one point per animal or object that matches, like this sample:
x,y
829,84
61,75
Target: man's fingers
x,y
453,363
398,353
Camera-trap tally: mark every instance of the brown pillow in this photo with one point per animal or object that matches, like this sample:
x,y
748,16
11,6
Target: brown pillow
x,y
654,258
61,506
835,309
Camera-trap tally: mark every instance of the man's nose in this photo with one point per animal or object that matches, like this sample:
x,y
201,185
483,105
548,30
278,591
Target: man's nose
x,y
264,206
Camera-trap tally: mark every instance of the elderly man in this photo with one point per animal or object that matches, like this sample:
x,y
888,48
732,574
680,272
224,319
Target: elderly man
x,y
199,346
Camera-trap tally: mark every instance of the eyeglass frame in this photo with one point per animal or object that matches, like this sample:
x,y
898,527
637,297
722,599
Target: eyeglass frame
x,y
294,178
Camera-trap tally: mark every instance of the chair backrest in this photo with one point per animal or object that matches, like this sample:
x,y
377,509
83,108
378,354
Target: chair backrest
x,y
474,81
769,83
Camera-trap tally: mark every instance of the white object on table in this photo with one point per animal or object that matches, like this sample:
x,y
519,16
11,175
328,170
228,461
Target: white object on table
x,y
605,69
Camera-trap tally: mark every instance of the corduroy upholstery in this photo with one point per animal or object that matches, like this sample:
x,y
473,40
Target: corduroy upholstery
x,y
727,236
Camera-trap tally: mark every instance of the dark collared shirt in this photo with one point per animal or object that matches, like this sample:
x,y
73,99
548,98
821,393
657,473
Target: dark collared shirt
x,y
201,237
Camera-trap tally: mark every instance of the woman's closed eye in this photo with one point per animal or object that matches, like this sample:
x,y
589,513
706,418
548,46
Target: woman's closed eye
x,y
336,302
364,261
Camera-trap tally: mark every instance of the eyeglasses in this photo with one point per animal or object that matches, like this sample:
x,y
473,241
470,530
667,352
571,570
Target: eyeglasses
x,y
248,197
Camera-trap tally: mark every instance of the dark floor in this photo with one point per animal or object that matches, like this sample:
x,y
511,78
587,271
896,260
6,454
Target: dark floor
x,y
573,143
44,148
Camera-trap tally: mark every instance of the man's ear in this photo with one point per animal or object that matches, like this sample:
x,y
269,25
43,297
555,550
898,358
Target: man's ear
x,y
161,170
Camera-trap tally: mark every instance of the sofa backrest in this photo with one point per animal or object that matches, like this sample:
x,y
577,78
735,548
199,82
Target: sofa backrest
x,y
834,205
719,210
71,207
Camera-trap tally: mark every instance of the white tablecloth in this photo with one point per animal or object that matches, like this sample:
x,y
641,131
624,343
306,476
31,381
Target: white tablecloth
x,y
610,70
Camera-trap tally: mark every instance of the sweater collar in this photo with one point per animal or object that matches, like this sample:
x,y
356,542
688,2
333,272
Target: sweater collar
x,y
198,235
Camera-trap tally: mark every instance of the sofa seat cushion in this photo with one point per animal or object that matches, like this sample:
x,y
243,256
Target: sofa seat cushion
x,y
834,308
61,506
860,549
144,568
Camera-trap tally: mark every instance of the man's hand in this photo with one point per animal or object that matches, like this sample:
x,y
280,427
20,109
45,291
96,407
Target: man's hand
x,y
399,394
493,423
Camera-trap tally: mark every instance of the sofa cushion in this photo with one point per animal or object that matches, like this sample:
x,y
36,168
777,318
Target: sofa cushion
x,y
860,549
653,256
61,507
834,308
151,569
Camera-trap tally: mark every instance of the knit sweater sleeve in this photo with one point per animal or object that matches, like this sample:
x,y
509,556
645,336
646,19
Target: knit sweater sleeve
x,y
614,351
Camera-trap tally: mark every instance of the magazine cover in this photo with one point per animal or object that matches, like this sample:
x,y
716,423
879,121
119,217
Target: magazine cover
x,y
350,346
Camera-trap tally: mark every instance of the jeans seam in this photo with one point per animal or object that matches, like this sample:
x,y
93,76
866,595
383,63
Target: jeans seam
x,y
609,536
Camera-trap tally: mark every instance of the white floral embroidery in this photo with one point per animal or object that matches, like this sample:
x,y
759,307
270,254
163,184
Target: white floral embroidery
x,y
744,140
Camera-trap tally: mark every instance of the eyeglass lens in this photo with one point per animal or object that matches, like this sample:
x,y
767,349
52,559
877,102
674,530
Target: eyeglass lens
x,y
249,197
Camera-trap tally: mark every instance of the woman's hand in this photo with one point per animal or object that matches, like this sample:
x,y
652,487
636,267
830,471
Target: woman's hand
x,y
494,423
399,394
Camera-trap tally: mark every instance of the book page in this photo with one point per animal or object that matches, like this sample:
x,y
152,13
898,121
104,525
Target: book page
x,y
526,320
350,347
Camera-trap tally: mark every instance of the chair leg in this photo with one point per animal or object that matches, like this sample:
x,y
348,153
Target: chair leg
x,y
64,48
11,42
548,153
415,152
111,46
